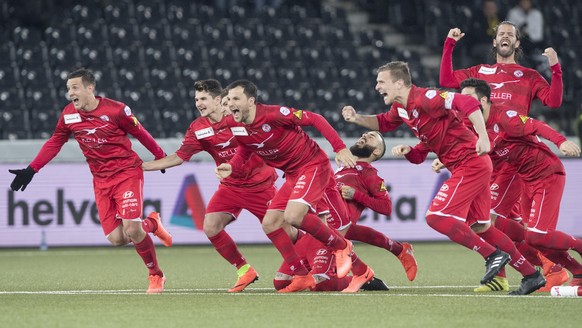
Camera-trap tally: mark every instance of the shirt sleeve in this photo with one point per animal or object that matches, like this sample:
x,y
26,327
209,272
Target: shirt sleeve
x,y
190,146
389,121
51,147
550,94
131,125
519,125
377,197
308,118
418,153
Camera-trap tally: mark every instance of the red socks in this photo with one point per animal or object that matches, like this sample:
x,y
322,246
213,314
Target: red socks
x,y
460,233
513,229
283,243
554,240
497,238
147,251
315,227
149,225
226,247
358,267
373,237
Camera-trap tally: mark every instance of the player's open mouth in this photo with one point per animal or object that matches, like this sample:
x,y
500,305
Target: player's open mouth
x,y
505,43
75,101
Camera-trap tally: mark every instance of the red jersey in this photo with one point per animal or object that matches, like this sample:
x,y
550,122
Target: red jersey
x,y
432,116
517,143
276,136
511,84
218,141
102,136
370,190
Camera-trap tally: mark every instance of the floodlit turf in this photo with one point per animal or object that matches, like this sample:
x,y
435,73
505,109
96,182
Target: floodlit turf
x,y
105,287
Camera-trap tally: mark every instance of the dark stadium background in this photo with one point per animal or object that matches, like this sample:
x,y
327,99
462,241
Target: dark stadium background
x,y
316,55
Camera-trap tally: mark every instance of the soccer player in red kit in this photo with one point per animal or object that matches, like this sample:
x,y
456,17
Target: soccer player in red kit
x,y
251,189
100,126
362,187
275,134
321,263
464,198
516,86
542,172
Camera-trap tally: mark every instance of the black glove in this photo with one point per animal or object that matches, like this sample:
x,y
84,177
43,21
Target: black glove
x,y
22,178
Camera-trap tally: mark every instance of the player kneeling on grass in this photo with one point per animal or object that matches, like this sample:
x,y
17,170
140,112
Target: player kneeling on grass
x,y
321,263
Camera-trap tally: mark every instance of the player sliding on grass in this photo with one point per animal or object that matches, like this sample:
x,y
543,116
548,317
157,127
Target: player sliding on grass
x,y
464,198
100,126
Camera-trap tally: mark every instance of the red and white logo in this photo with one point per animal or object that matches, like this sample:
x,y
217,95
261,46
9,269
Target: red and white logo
x,y
266,127
128,194
518,73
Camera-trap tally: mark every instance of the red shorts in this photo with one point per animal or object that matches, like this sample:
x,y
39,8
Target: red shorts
x,y
338,210
232,201
465,195
119,197
543,206
306,187
506,192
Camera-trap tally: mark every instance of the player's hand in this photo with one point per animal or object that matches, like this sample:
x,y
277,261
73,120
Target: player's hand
x,y
570,149
348,192
456,34
552,56
349,113
22,178
437,165
482,146
223,170
344,157
401,150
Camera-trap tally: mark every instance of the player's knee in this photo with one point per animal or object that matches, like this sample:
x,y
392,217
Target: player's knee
x,y
480,227
118,240
134,231
211,228
534,239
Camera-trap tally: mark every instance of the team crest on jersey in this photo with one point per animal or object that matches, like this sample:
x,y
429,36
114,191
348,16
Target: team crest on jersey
x,y
430,94
72,118
382,186
298,114
284,110
127,111
518,73
496,128
523,118
359,167
415,113
487,70
266,127
511,113
104,118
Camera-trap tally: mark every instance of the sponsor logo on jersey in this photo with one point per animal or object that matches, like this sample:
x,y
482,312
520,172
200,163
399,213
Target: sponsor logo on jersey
x,y
487,70
239,131
494,186
72,118
523,118
127,111
321,251
415,113
444,187
204,133
430,94
128,194
511,113
298,114
402,113
518,73
284,110
266,127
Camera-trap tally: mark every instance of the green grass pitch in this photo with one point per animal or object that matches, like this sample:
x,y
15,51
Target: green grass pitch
x,y
105,287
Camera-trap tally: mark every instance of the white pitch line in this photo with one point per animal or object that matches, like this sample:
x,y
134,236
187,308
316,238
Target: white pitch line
x,y
267,292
